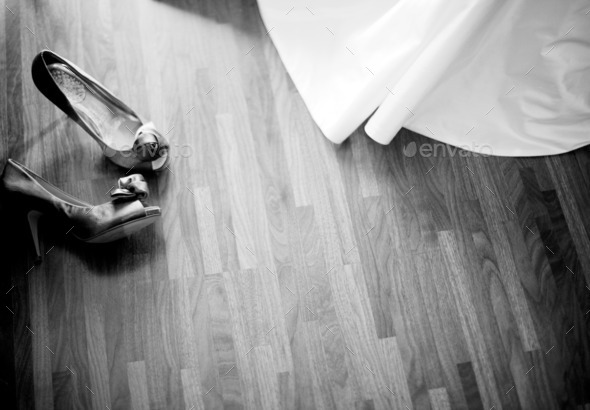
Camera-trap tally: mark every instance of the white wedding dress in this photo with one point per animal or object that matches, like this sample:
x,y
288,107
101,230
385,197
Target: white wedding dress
x,y
501,77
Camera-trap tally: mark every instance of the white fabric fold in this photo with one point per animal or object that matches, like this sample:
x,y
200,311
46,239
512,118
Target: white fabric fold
x,y
508,78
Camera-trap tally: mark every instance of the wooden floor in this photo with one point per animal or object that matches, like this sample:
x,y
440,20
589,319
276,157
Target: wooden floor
x,y
286,272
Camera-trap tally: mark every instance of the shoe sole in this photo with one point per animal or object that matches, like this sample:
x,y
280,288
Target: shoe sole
x,y
121,231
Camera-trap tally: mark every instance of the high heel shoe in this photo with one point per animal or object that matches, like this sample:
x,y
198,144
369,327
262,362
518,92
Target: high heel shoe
x,y
123,136
107,222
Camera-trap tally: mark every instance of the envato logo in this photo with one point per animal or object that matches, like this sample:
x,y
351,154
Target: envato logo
x,y
439,149
148,151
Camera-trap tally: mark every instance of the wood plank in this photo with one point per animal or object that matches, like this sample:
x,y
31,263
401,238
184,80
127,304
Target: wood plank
x,y
439,399
207,232
264,362
475,341
223,342
191,388
138,386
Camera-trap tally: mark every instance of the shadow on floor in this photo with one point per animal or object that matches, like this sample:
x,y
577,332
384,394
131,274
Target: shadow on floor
x,y
238,13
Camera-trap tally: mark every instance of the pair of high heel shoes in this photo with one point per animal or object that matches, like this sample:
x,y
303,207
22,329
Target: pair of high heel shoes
x,y
125,139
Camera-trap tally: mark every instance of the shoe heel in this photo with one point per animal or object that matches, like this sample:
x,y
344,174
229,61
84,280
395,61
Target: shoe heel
x,y
33,218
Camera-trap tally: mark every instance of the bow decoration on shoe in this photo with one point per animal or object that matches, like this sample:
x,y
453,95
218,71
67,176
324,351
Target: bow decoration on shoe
x,y
149,143
131,187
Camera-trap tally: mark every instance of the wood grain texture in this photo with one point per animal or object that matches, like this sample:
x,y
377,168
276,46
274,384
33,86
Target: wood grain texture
x,y
439,399
137,380
286,272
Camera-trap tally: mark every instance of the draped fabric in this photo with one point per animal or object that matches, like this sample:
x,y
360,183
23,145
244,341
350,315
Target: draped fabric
x,y
499,77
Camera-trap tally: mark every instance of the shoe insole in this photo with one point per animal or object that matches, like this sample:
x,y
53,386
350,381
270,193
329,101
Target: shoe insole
x,y
112,125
